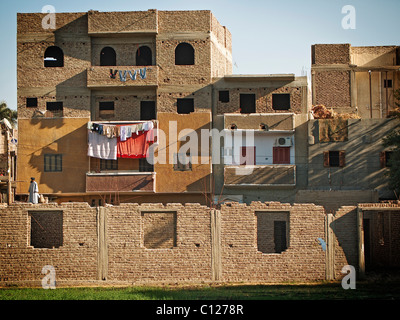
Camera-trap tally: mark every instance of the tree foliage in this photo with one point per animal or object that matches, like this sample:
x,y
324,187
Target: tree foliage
x,y
7,113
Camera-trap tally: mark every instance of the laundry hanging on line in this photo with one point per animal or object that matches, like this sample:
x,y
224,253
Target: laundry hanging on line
x,y
114,131
100,146
136,147
107,141
123,74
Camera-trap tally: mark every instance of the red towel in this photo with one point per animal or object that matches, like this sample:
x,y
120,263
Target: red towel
x,y
135,147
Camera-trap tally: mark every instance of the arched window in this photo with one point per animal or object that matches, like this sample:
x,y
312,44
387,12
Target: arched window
x,y
143,56
108,57
53,57
184,54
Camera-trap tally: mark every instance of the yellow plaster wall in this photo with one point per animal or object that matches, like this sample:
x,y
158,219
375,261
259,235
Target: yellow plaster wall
x,y
66,136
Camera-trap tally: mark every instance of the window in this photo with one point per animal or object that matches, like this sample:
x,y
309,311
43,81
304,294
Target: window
x,y
106,109
334,159
159,230
281,155
108,164
185,105
280,236
143,56
387,83
53,163
108,57
145,166
53,57
247,103
385,158
147,110
31,102
183,162
281,101
46,229
54,109
272,231
184,54
224,96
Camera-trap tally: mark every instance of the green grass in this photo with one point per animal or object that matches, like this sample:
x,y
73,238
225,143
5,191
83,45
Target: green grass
x,y
324,291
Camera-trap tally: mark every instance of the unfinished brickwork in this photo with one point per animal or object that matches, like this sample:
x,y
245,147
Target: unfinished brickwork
x,y
263,98
154,242
267,242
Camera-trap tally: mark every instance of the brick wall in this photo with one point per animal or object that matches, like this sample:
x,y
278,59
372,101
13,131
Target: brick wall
x,y
263,98
74,260
332,89
176,243
330,54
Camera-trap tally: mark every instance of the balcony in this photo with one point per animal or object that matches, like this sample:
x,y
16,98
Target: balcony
x,y
260,176
263,122
121,181
122,76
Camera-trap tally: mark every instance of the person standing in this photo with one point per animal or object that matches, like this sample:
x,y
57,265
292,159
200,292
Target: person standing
x,y
33,191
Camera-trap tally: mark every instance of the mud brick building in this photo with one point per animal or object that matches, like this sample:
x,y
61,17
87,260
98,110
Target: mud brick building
x,y
345,154
293,198
115,68
167,67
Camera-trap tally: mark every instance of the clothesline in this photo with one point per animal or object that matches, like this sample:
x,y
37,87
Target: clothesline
x,y
108,141
123,74
120,131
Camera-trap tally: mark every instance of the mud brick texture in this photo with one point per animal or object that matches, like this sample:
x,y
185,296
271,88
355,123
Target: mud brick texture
x,y
177,243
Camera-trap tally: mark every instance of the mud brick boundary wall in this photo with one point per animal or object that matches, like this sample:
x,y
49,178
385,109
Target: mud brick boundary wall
x,y
175,243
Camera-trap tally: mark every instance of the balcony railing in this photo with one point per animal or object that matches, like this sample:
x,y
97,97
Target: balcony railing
x,y
121,181
122,76
260,175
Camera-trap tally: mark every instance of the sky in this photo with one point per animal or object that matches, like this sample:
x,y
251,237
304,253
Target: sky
x,y
267,36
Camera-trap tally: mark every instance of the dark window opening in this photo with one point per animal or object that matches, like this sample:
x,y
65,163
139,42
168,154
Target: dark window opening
x,y
334,159
106,109
183,162
280,236
144,56
53,163
247,103
108,57
272,231
108,164
145,165
185,105
388,83
53,57
54,109
31,102
46,229
281,101
147,110
184,54
385,159
224,96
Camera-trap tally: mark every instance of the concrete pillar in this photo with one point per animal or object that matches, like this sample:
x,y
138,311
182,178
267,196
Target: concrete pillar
x,y
102,258
216,268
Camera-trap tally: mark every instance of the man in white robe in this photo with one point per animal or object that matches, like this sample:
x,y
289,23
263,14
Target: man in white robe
x,y
33,192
